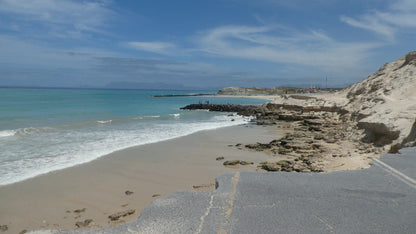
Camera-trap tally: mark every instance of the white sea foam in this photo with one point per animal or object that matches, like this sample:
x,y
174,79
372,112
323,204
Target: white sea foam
x,y
54,150
152,116
177,115
24,131
104,121
7,133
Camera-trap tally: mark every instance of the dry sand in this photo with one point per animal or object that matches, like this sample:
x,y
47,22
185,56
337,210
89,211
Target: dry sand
x,y
49,201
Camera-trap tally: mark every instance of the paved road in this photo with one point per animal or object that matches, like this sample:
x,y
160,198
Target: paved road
x,y
381,199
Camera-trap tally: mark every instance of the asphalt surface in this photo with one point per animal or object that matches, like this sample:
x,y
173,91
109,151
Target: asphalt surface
x,y
381,199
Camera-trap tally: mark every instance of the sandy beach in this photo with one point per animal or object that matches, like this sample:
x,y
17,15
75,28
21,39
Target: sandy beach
x,y
128,179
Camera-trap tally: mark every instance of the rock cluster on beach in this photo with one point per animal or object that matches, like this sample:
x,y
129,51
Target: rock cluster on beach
x,y
375,115
343,130
318,140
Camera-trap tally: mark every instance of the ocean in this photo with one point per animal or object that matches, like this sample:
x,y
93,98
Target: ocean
x,y
43,130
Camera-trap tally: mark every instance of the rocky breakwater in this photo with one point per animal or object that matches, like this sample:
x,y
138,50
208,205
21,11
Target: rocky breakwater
x,y
245,110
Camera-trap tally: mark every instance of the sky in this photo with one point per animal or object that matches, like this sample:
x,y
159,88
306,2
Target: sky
x,y
200,44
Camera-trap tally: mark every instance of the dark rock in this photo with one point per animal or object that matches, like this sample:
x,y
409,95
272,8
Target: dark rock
x,y
378,133
315,128
231,163
156,195
203,186
268,166
258,146
316,146
79,210
284,163
240,109
284,151
23,231
128,192
245,163
318,137
394,149
219,158
118,215
275,142
330,140
316,122
85,223
301,168
4,228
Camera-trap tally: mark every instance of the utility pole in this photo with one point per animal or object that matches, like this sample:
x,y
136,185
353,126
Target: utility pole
x,y
326,79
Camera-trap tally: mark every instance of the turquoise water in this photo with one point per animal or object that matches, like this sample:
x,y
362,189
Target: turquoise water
x,y
43,130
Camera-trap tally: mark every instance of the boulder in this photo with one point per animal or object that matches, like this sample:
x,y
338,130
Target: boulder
x,y
231,163
84,223
118,215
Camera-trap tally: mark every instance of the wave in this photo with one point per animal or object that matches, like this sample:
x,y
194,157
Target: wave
x,y
104,121
24,131
7,133
177,115
64,148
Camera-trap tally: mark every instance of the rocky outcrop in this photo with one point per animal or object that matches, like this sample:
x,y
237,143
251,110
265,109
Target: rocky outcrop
x,y
383,104
85,223
118,215
378,133
4,228
236,162
241,109
386,101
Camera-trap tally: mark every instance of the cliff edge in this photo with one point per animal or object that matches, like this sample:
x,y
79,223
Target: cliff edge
x,y
383,104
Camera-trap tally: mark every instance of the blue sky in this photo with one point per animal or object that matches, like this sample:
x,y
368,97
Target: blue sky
x,y
201,44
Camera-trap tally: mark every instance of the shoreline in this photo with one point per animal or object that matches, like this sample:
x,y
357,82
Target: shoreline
x,y
132,146
147,171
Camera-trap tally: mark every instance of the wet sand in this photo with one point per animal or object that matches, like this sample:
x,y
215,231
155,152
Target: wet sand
x,y
148,171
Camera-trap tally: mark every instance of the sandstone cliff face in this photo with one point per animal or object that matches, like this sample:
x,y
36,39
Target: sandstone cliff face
x,y
385,102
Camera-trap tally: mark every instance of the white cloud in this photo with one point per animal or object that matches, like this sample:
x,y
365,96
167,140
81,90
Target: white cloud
x,y
154,47
283,45
400,16
369,22
404,5
67,15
